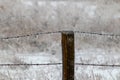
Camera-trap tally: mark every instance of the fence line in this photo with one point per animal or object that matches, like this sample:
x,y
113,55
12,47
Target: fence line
x,y
79,32
27,35
40,33
30,64
48,64
99,65
95,33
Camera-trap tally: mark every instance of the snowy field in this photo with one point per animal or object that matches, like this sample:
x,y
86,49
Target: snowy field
x,y
91,49
52,72
20,17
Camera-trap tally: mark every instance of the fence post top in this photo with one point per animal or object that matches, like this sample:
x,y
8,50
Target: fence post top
x,y
67,32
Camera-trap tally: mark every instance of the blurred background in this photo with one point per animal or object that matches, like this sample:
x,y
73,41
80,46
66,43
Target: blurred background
x,y
23,17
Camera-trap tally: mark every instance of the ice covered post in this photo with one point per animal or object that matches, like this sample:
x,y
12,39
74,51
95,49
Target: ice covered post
x,y
68,55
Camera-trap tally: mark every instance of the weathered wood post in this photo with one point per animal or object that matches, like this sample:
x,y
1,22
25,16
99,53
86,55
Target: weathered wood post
x,y
68,55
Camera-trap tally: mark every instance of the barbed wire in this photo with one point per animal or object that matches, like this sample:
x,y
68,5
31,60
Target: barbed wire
x,y
99,65
40,33
27,35
95,33
30,64
48,64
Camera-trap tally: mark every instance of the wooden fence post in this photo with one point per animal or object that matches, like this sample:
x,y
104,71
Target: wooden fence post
x,y
68,55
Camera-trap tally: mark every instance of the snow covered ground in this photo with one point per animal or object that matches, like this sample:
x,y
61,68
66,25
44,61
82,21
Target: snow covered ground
x,y
20,17
91,49
54,72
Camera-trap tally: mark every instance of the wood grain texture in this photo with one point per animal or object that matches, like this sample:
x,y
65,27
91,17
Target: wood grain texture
x,y
68,55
